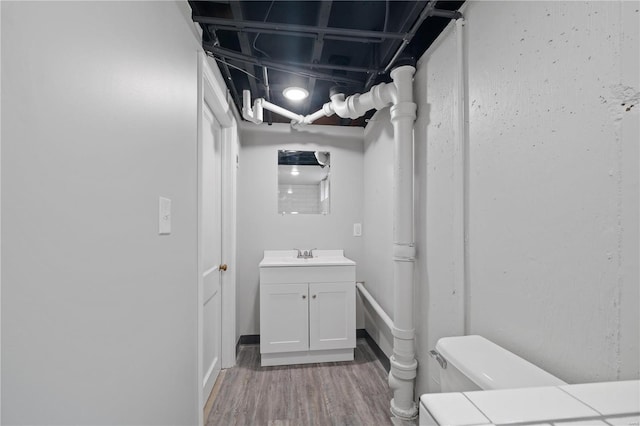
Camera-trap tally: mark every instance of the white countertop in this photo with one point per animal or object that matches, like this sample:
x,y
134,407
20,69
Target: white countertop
x,y
280,258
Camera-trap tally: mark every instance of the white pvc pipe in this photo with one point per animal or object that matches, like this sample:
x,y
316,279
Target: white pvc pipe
x,y
254,114
316,115
352,107
403,362
376,307
356,105
248,113
283,112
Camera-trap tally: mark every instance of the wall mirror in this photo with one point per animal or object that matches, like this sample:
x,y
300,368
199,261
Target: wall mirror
x,y
303,182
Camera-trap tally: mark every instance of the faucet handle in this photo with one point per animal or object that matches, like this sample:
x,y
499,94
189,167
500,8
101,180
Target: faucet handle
x,y
299,253
311,251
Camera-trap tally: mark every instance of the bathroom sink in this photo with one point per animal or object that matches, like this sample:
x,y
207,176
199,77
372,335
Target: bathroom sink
x,y
279,258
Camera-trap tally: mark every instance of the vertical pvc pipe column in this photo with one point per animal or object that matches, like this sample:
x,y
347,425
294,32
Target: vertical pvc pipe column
x,y
403,362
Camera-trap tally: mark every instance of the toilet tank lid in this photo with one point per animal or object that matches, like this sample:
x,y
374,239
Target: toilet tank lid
x,y
490,366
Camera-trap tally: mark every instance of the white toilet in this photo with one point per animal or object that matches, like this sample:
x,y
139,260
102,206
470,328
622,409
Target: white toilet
x,y
475,363
472,363
484,384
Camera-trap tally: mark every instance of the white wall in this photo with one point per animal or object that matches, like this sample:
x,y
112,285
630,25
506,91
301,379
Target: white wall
x,y
553,231
377,271
552,265
439,289
98,311
260,227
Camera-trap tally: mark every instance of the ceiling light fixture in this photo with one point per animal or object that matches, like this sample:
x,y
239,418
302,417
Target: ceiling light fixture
x,y
295,93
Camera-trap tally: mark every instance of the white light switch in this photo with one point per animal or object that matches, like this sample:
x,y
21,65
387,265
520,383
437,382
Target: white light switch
x,y
357,229
164,216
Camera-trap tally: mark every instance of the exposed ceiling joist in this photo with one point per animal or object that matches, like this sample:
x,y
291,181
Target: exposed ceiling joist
x,y
316,45
344,34
277,65
323,20
211,35
245,46
426,12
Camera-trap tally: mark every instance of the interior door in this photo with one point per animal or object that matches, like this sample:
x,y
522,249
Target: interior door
x,y
211,243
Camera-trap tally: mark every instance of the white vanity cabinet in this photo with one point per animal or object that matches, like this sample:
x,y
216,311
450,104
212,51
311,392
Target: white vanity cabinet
x,y
307,309
284,317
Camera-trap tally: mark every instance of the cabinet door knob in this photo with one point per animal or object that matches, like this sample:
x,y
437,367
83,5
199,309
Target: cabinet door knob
x,y
314,296
304,296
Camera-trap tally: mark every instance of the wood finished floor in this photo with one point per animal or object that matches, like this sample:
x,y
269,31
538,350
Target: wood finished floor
x,y
328,394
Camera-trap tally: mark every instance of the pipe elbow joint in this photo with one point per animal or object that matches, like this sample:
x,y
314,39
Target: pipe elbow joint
x,y
328,109
359,104
339,105
402,404
249,115
253,115
383,94
402,110
351,107
394,383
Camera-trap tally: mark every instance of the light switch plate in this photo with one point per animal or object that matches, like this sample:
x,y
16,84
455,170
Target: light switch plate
x,y
357,229
164,216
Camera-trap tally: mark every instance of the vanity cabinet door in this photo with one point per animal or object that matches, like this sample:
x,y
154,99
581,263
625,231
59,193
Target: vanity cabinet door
x,y
332,315
284,318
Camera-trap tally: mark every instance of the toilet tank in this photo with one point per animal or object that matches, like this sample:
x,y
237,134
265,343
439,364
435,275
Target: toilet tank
x,y
475,363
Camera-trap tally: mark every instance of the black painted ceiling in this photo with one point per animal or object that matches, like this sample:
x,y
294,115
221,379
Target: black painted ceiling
x,y
317,45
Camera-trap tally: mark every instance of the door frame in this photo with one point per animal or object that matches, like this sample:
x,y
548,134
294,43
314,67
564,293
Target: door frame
x,y
209,90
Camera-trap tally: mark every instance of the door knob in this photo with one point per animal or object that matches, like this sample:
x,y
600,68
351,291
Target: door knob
x,y
314,296
223,267
304,296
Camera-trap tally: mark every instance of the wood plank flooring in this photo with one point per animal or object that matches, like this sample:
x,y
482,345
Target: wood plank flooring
x,y
328,394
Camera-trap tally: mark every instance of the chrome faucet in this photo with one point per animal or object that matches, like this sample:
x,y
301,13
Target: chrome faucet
x,y
307,254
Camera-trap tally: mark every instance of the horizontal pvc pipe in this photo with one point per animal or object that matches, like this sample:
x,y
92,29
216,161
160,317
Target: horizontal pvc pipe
x,y
283,112
355,105
376,307
316,115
